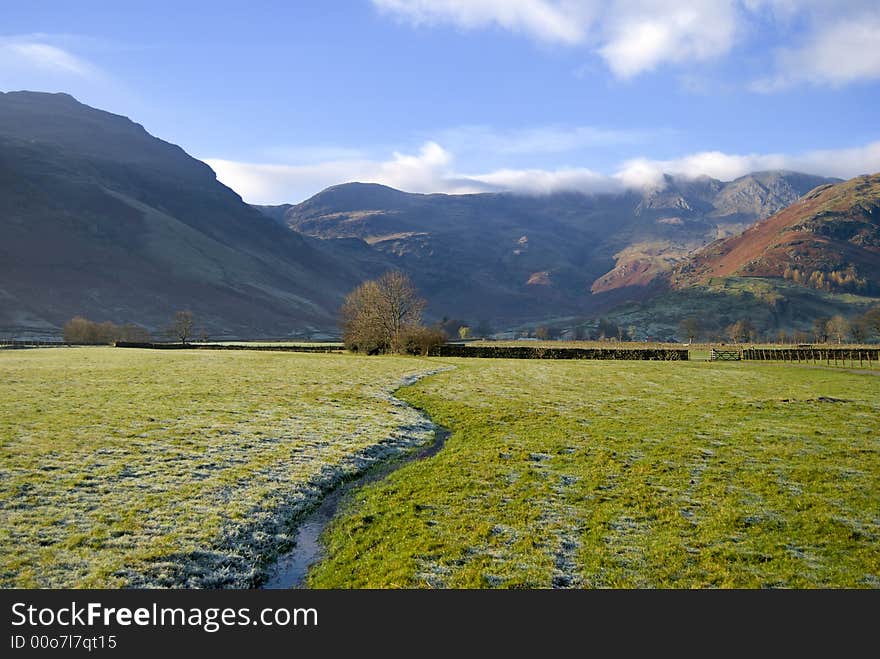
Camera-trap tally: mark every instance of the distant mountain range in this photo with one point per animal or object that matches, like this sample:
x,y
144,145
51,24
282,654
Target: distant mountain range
x,y
510,258
828,240
101,219
818,257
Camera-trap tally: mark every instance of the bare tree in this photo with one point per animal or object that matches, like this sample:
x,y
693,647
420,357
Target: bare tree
x,y
689,328
182,326
837,328
83,330
858,330
871,320
378,314
741,331
820,329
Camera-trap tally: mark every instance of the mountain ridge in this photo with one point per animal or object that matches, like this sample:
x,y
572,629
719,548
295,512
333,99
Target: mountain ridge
x,y
530,255
102,219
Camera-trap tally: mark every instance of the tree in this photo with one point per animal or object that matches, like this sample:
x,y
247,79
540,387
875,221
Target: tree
x,y
606,329
820,329
83,330
77,330
871,320
484,329
134,333
859,330
741,331
689,328
182,326
464,332
837,328
377,315
422,340
450,325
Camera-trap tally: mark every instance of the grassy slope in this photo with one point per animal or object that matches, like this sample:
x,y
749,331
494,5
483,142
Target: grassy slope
x,y
769,303
129,467
618,474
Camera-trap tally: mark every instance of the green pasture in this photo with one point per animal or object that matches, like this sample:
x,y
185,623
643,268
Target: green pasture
x,y
125,467
122,467
627,474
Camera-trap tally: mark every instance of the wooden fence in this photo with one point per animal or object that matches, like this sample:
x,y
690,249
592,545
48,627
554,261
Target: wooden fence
x,y
217,346
11,344
540,352
861,357
725,355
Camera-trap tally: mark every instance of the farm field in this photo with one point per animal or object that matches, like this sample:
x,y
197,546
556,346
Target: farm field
x,y
127,467
627,474
146,468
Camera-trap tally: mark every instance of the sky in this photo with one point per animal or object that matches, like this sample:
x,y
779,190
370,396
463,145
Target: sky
x,y
284,99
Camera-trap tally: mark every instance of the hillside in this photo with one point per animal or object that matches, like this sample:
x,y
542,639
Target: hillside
x,y
511,258
829,240
817,258
102,219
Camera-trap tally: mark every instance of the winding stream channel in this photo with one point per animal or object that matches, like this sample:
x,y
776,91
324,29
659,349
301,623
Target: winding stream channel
x,y
291,568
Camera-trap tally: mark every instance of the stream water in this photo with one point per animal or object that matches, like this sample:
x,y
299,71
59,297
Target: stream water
x,y
291,568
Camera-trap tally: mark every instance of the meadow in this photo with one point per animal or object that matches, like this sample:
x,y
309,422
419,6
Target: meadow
x,y
627,475
130,467
126,467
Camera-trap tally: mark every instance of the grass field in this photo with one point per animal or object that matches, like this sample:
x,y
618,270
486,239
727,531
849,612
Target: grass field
x,y
189,468
627,474
184,468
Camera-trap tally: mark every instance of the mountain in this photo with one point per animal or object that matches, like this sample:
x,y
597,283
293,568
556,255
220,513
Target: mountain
x,y
512,258
99,218
818,257
828,240
102,219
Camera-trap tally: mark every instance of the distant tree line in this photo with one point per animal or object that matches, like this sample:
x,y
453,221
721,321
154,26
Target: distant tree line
x,y
83,330
859,328
457,328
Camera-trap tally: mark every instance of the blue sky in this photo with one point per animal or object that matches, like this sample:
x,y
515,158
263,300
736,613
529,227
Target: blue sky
x,y
286,98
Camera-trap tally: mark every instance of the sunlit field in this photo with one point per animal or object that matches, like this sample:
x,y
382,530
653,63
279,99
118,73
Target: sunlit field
x,y
178,468
627,474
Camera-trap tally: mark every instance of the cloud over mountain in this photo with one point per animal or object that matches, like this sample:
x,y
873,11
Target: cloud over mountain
x,y
432,169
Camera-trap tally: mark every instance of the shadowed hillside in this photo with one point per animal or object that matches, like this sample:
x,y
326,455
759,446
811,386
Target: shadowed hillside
x,y
100,218
511,258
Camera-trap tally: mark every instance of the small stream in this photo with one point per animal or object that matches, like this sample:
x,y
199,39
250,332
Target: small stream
x,y
291,568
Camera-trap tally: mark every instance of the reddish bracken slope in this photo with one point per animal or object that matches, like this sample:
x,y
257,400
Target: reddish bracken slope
x,y
829,239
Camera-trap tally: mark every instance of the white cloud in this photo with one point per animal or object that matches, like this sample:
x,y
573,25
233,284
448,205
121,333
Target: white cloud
x,y
545,20
640,35
21,56
632,36
427,171
842,163
542,181
838,52
820,42
432,170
